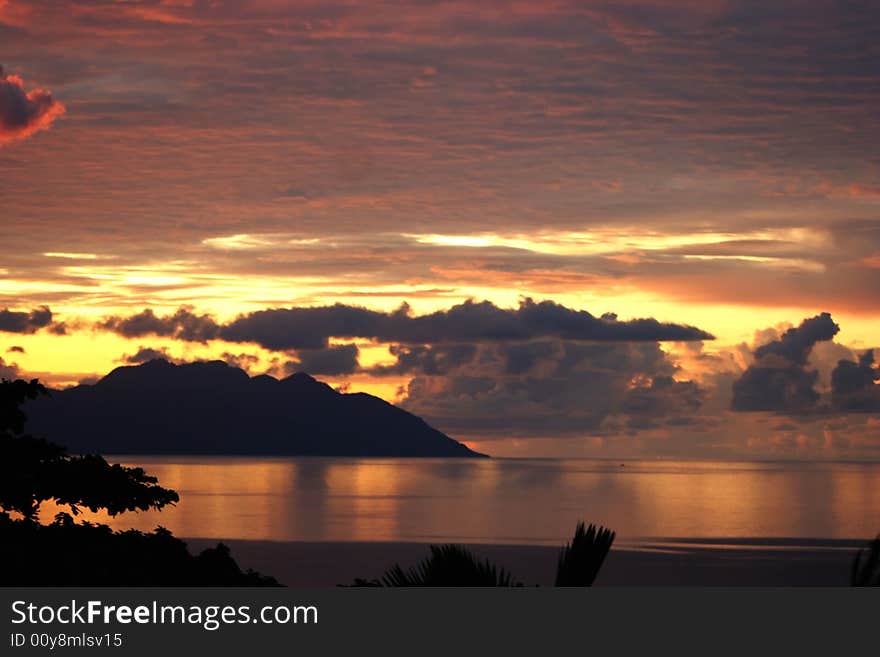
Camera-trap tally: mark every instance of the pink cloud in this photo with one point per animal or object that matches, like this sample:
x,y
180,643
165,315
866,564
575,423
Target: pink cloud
x,y
24,113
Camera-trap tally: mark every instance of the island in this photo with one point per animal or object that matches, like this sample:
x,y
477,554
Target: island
x,y
211,407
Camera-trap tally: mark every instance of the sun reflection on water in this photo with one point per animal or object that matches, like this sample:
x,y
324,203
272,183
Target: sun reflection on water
x,y
505,501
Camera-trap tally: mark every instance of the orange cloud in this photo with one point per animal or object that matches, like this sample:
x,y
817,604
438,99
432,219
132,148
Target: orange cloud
x,y
863,191
24,113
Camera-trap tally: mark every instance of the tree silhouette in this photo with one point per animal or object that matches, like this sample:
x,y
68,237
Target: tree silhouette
x,y
33,470
67,553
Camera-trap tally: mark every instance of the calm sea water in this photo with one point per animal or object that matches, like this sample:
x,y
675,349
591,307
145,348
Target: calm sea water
x,y
508,500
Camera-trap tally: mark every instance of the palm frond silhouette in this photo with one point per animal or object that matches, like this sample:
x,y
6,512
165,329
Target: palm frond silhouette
x,y
866,565
449,565
454,565
580,560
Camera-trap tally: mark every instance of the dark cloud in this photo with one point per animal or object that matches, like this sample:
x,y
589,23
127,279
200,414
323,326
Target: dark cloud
x,y
332,361
854,385
554,388
307,328
183,325
310,328
58,328
241,361
663,396
24,113
25,322
779,379
146,354
540,368
424,359
796,343
523,357
15,349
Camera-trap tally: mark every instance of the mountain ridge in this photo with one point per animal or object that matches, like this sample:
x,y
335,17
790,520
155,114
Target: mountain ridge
x,y
212,408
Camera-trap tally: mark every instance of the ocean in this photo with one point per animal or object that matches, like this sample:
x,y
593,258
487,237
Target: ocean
x,y
512,501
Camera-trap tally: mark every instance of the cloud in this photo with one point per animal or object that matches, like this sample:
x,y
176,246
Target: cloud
x,y
530,114
779,379
796,343
310,328
854,385
296,328
332,361
15,349
552,388
539,368
242,361
24,113
424,359
183,325
25,322
146,354
283,329
662,397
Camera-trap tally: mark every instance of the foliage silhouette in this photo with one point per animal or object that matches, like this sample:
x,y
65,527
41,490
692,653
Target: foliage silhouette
x,y
454,565
449,565
580,560
67,553
33,470
866,565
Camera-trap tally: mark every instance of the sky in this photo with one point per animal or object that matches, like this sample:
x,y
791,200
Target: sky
x,y
549,228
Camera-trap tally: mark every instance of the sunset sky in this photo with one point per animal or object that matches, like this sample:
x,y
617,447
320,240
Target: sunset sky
x,y
461,207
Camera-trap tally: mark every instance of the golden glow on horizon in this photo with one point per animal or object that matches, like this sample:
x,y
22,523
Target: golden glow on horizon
x,y
90,353
164,286
63,360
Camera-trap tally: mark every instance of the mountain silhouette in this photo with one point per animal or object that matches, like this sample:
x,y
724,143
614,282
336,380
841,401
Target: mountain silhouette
x,y
213,408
